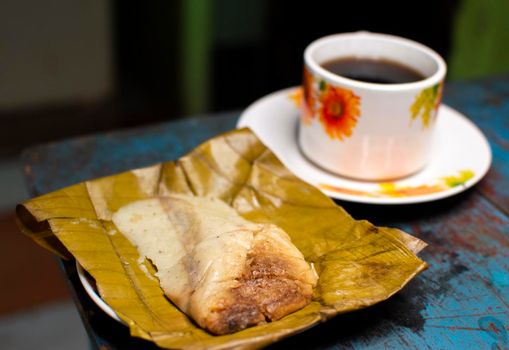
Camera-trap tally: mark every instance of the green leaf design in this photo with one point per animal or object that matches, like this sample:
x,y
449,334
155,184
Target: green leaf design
x,y
426,103
458,180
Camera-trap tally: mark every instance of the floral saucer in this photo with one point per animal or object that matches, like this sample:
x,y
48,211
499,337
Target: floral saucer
x,y
460,158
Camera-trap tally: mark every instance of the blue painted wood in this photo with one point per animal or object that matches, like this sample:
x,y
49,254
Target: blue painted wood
x,y
55,165
486,103
460,302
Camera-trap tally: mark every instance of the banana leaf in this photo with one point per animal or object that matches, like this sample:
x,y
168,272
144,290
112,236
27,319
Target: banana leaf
x,y
358,264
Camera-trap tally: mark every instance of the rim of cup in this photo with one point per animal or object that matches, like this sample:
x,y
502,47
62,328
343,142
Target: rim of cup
x,y
433,79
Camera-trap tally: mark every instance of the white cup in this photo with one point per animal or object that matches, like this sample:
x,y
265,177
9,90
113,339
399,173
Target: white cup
x,y
364,130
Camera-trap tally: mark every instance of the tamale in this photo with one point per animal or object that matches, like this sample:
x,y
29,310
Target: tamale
x,y
225,272
237,168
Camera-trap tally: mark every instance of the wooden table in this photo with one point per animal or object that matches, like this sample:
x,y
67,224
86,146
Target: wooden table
x,y
460,302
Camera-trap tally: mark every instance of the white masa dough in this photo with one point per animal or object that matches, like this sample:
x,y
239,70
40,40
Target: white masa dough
x,y
200,247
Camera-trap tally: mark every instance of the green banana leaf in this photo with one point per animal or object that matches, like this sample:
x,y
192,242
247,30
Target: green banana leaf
x,y
358,264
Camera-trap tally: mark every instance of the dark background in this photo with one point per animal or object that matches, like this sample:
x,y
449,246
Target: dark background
x,y
256,46
160,60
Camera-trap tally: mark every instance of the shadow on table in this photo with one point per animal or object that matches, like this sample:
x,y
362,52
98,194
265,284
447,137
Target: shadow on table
x,y
406,213
403,310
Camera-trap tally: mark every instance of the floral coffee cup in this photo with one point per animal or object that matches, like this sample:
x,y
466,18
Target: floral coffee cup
x,y
364,130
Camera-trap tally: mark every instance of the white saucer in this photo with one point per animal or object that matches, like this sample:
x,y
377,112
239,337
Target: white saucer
x,y
461,156
92,293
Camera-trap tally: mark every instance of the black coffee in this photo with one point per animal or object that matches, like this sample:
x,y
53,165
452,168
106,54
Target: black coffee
x,y
372,70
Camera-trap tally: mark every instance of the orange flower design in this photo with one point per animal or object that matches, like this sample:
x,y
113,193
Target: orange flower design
x,y
308,102
390,189
339,111
296,97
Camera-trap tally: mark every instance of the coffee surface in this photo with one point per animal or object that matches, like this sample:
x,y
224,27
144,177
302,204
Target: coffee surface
x,y
373,70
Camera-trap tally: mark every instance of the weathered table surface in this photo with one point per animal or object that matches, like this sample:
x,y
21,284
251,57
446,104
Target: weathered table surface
x,y
461,301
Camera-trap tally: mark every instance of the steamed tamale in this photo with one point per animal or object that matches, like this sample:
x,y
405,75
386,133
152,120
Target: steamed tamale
x,y
225,272
358,264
